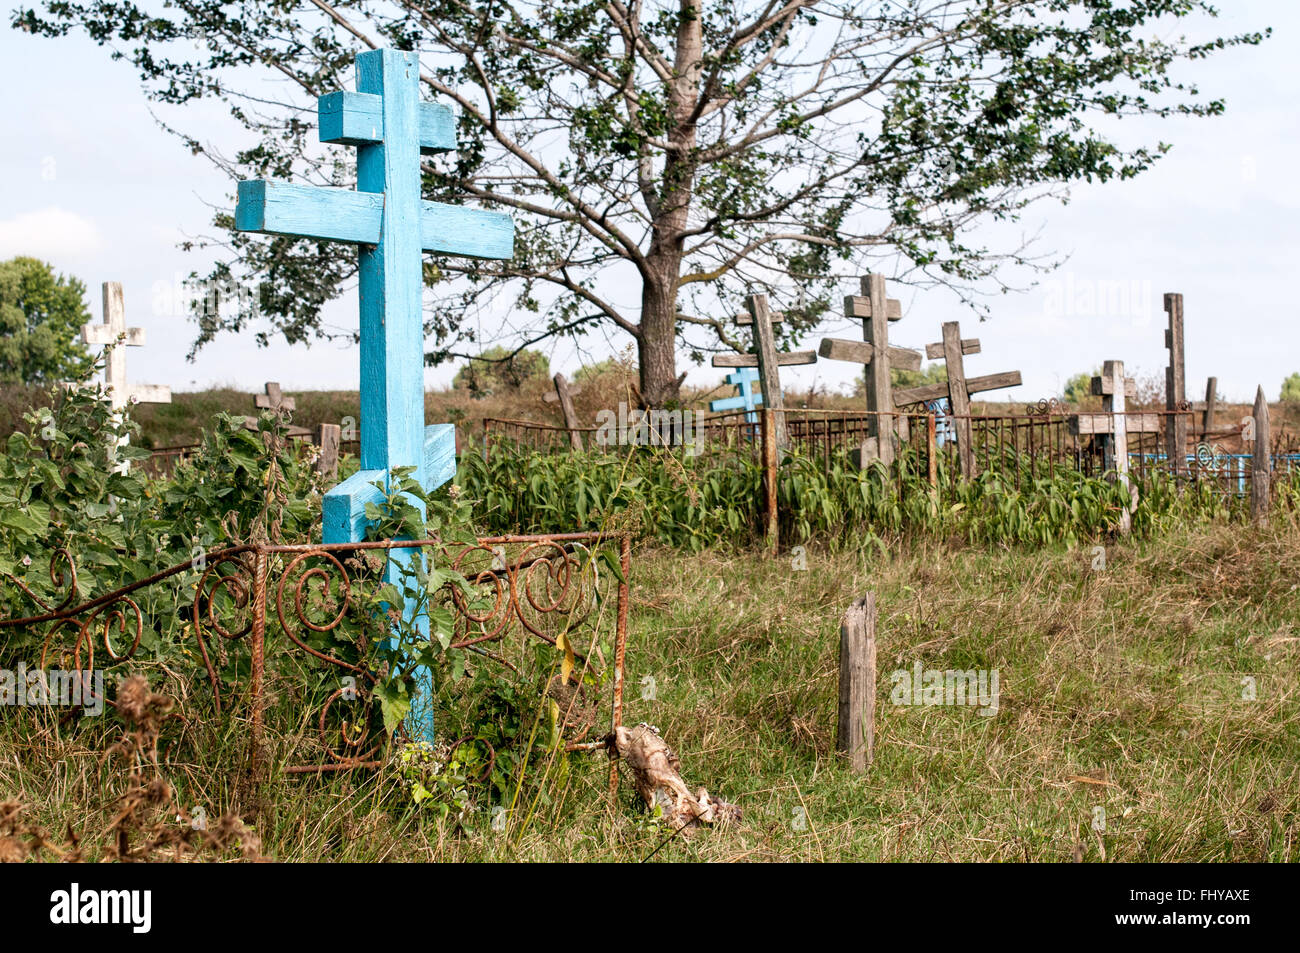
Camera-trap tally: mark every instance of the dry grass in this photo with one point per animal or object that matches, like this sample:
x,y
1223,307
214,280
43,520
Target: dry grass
x,y
1120,689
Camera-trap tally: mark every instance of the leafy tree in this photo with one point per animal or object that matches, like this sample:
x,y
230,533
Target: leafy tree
x,y
1078,389
662,159
40,324
901,377
498,368
1291,388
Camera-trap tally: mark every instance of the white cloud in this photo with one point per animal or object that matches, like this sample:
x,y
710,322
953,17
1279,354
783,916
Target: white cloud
x,y
48,233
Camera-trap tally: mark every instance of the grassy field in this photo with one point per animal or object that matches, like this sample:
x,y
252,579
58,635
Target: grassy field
x,y
1120,689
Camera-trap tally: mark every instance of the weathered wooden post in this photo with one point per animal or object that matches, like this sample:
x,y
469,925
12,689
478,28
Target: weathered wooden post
x,y
950,350
391,225
1175,388
876,311
932,447
1261,464
770,476
564,395
767,359
855,734
328,437
1211,405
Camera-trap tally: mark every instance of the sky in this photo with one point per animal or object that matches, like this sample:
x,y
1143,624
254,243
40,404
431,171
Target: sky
x,y
97,188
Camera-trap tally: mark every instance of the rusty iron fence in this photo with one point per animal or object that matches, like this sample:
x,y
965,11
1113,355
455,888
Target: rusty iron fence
x,y
1020,447
273,604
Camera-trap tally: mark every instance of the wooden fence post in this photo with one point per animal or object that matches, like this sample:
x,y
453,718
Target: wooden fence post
x,y
564,394
327,438
770,479
1211,399
1175,389
932,447
1262,464
855,733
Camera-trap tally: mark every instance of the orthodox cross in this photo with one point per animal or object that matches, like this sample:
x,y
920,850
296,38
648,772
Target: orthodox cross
x,y
1115,424
875,310
108,332
391,225
959,388
743,379
1176,388
767,359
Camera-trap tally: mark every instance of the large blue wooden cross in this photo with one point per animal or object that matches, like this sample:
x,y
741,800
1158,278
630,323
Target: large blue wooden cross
x,y
744,379
392,226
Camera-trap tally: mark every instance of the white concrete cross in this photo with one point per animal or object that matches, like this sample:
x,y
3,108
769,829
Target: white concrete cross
x,y
108,332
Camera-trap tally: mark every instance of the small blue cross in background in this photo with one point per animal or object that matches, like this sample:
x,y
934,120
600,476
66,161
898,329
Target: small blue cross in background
x,y
744,378
391,225
943,428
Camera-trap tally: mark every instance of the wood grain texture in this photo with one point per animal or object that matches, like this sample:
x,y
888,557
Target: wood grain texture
x,y
880,388
328,437
1117,441
859,306
564,396
355,119
1175,387
959,397
342,215
769,370
855,734
783,359
1261,464
974,385
1085,424
934,352
1211,404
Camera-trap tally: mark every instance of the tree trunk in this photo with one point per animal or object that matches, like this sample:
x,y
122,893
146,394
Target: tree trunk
x,y
657,346
663,265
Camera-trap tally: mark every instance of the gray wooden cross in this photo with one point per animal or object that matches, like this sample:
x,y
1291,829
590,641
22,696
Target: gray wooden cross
x,y
767,359
1115,424
564,394
112,329
1175,387
274,400
875,310
958,388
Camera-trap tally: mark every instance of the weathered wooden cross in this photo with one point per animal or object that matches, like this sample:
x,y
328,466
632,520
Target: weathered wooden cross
x,y
274,399
1115,424
391,225
276,402
109,331
743,379
958,388
876,311
767,359
1175,388
564,394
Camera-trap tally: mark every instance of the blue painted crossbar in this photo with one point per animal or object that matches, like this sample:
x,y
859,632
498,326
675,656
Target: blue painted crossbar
x,y
744,379
341,215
